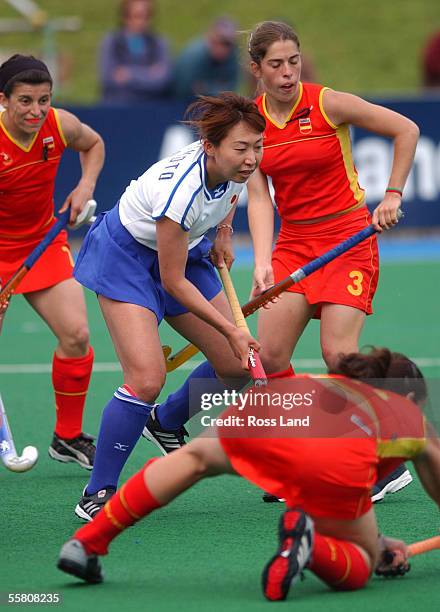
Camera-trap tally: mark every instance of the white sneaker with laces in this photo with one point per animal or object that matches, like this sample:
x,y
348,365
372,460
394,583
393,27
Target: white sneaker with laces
x,y
392,485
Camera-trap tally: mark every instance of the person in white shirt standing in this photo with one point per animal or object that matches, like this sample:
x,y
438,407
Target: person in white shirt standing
x,y
148,258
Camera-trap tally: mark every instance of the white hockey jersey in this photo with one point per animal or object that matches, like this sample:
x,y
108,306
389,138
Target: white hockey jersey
x,y
176,187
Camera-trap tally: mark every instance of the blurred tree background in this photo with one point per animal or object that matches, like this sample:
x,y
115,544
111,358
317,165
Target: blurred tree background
x,y
366,46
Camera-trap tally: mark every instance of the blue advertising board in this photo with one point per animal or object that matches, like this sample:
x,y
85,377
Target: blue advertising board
x,y
136,137
373,158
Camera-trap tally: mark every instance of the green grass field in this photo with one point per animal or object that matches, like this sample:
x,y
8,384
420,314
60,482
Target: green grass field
x,y
367,46
206,550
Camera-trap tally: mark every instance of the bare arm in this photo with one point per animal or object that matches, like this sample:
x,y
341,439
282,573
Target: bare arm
x,y
346,108
261,225
427,465
90,146
393,554
172,262
222,252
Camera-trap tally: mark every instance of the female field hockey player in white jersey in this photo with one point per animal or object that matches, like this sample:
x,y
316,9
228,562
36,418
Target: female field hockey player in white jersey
x,y
147,259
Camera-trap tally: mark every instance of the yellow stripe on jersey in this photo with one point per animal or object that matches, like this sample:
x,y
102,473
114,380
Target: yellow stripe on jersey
x,y
60,129
12,139
401,447
295,106
343,135
32,163
321,108
287,142
372,260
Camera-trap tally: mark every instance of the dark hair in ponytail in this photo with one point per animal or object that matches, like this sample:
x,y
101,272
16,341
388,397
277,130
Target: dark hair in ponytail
x,y
385,370
265,34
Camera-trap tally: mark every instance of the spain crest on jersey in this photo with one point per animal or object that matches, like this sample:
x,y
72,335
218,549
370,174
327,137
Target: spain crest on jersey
x,y
48,143
305,125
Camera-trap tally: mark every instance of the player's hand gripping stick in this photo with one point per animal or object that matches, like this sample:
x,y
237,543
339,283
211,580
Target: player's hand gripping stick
x,y
256,369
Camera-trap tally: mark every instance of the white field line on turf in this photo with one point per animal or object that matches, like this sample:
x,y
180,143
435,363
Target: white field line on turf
x,y
113,366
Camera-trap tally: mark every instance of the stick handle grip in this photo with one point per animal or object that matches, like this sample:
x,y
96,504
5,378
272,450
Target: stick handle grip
x,y
255,366
233,299
417,548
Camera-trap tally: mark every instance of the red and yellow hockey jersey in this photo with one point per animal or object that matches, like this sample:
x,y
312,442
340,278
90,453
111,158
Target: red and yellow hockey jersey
x,y
27,178
309,160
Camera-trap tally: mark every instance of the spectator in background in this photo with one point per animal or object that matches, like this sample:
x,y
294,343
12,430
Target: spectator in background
x,y
135,64
431,62
210,64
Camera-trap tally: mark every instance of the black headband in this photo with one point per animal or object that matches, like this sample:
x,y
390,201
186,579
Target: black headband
x,y
22,63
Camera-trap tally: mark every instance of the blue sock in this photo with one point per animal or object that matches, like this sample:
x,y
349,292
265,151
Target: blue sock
x,y
173,413
122,423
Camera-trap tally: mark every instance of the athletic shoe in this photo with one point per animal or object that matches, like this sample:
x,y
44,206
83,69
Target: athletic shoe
x,y
74,560
392,483
296,543
79,450
89,505
272,499
167,440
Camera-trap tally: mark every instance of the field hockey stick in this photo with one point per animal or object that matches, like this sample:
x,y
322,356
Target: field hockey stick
x,y
417,548
61,224
174,361
8,454
256,369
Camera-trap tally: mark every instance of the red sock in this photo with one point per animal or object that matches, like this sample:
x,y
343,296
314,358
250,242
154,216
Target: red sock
x,y
339,563
70,379
129,504
289,373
